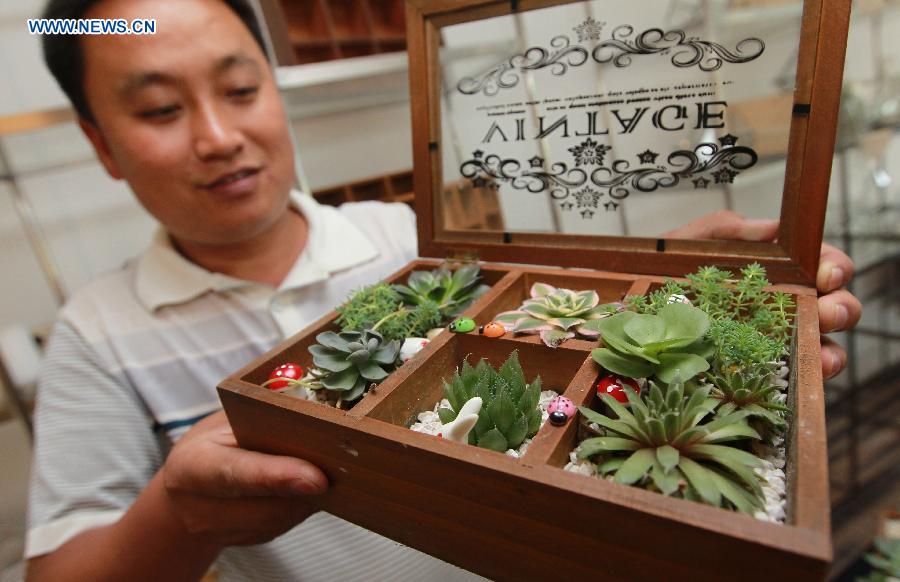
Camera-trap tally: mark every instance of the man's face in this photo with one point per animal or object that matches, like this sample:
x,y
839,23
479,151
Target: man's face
x,y
191,118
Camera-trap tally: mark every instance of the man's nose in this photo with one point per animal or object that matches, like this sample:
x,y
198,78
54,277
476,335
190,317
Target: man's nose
x,y
215,136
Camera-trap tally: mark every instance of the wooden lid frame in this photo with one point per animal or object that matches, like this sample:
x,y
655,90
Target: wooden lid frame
x,y
793,258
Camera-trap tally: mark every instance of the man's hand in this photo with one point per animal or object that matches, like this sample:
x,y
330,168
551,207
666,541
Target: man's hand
x,y
839,310
230,496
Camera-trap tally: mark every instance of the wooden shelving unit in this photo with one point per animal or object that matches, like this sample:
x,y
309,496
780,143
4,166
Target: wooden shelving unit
x,y
312,31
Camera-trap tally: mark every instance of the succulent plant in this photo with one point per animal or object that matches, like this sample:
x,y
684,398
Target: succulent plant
x,y
659,441
742,344
749,389
431,300
885,562
450,292
726,297
665,345
509,412
353,360
557,314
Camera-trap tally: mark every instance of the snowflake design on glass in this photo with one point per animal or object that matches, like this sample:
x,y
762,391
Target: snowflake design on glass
x,y
725,175
590,29
589,152
587,198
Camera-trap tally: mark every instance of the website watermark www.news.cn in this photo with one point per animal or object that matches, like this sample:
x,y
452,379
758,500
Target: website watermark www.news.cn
x,y
91,26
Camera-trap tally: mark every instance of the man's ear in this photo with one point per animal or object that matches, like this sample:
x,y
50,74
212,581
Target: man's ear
x,y
95,136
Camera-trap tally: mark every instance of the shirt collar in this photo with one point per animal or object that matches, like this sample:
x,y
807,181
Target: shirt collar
x,y
165,277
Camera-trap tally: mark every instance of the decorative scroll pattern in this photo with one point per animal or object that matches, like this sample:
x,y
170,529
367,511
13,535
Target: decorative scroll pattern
x,y
575,187
686,51
618,49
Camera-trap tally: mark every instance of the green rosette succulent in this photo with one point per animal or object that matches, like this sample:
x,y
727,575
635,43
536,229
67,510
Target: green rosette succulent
x,y
510,410
448,292
353,360
557,314
660,441
747,389
664,345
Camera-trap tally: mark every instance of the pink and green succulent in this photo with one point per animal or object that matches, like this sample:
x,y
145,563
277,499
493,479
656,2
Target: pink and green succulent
x,y
558,314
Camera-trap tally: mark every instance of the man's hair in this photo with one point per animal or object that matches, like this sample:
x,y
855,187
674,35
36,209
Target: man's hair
x,y
64,58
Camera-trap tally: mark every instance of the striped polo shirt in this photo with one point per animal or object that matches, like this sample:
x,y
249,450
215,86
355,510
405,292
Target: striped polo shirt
x,y
133,363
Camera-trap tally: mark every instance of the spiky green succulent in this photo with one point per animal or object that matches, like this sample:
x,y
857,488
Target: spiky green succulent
x,y
557,314
663,346
750,389
449,292
353,360
510,410
885,561
671,441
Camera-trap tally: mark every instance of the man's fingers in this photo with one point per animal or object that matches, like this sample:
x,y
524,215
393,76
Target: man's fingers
x,y
220,471
838,311
835,269
726,224
834,358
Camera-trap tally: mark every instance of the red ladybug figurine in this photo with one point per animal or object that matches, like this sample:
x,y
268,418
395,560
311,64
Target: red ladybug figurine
x,y
288,372
615,387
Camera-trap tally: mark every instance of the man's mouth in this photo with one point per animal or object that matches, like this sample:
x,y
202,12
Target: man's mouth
x,y
230,178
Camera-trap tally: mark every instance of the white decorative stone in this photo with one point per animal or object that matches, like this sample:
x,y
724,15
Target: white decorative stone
x,y
412,346
458,430
677,298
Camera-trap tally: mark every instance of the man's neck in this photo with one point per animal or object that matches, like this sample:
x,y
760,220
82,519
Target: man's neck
x,y
267,258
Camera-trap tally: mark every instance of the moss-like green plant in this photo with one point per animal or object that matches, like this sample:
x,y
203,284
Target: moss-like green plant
x,y
509,412
353,360
742,344
431,299
381,309
664,345
557,314
661,441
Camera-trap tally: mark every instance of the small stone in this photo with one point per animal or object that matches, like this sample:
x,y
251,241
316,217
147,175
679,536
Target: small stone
x,y
677,298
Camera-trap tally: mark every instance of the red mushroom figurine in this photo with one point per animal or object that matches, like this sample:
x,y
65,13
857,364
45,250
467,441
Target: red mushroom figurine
x,y
615,387
286,372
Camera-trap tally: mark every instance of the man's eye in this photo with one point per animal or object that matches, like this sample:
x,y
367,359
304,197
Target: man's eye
x,y
243,92
158,112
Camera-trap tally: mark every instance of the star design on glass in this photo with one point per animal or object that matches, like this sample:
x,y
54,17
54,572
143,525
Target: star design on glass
x,y
647,156
536,162
611,205
587,213
587,198
477,154
725,175
728,140
590,29
701,182
566,205
589,152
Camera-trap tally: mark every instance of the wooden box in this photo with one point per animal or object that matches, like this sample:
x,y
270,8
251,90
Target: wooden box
x,y
527,518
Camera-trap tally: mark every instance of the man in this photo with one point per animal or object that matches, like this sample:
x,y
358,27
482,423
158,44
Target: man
x,y
128,484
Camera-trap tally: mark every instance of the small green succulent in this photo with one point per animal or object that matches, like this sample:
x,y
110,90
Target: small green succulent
x,y
661,440
557,314
353,360
509,412
742,344
749,389
450,292
886,561
664,345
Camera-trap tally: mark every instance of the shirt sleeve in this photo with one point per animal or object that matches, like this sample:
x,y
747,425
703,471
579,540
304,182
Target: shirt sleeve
x,y
95,447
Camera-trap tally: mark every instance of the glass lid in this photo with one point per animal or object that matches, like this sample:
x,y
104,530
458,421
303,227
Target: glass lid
x,y
609,125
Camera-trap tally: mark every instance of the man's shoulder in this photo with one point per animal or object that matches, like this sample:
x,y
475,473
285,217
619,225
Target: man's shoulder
x,y
112,292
